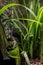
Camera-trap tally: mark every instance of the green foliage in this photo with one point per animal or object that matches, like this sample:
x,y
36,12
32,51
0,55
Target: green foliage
x,y
14,53
35,22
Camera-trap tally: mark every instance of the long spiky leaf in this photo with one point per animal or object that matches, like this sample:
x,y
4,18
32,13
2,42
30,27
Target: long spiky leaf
x,y
13,4
40,13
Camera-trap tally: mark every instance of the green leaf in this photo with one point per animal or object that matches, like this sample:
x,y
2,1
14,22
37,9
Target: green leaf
x,y
39,18
40,13
17,27
20,23
31,20
13,4
14,53
7,6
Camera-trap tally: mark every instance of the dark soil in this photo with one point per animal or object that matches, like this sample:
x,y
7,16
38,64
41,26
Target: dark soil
x,y
7,62
12,61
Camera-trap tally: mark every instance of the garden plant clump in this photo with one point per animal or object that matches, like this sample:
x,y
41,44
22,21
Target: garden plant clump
x,y
21,35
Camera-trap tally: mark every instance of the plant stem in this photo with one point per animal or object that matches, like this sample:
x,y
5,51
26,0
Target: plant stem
x,y
26,57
